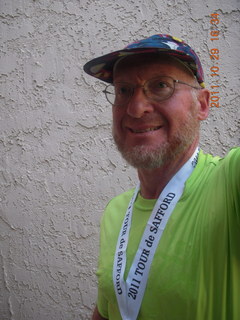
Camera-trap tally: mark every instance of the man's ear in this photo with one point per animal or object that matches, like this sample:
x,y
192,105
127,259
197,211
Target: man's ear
x,y
203,99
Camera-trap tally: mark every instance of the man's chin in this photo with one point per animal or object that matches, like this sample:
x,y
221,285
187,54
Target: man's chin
x,y
144,157
153,157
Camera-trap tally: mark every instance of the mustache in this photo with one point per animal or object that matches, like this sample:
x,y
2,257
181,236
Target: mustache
x,y
148,118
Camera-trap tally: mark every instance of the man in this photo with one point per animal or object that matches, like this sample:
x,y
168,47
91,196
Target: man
x,y
169,248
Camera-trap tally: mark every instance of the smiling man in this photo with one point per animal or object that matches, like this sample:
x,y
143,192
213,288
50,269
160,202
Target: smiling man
x,y
168,248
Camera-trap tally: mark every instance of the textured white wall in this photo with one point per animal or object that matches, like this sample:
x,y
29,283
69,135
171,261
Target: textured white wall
x,y
58,166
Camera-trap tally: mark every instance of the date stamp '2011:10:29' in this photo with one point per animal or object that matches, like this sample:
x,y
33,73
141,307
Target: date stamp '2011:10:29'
x,y
214,55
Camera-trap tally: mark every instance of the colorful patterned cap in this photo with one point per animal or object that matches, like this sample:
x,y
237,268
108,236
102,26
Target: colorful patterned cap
x,y
102,67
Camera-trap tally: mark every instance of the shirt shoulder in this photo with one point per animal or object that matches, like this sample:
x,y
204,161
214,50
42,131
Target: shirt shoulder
x,y
216,181
227,169
210,167
232,160
115,210
120,201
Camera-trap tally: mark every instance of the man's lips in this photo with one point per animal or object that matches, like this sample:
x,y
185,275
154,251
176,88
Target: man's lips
x,y
143,130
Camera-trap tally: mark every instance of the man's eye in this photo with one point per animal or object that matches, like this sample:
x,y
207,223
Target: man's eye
x,y
123,90
161,85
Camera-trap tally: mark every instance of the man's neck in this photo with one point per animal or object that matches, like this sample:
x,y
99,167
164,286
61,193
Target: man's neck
x,y
153,181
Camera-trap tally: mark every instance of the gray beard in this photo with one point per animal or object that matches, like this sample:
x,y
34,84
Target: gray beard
x,y
148,157
143,157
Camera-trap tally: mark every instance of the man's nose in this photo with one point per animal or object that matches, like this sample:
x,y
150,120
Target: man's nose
x,y
139,104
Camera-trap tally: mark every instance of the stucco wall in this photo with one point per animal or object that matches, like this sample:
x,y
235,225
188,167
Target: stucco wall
x,y
58,166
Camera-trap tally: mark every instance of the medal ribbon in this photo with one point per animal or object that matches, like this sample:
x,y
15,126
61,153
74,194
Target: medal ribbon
x,y
130,293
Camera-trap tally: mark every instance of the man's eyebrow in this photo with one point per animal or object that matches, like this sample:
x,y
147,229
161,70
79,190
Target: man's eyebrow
x,y
153,76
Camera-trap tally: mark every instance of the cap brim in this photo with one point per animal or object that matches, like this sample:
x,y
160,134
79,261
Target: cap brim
x,y
102,67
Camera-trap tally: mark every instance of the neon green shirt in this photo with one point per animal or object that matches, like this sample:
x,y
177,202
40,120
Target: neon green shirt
x,y
195,273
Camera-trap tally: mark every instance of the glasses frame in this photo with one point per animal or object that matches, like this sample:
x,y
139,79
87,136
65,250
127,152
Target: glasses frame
x,y
133,87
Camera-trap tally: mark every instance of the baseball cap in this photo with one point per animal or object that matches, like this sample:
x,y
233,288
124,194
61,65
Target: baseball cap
x,y
103,66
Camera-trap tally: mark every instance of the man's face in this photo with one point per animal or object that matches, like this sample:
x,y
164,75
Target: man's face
x,y
148,133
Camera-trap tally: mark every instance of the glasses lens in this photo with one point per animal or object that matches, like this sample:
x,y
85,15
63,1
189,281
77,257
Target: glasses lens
x,y
160,88
123,91
118,94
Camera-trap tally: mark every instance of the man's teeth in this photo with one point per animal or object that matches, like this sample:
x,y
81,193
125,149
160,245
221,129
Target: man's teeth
x,y
145,130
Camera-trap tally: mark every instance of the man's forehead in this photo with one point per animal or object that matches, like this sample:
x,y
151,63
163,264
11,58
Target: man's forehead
x,y
149,61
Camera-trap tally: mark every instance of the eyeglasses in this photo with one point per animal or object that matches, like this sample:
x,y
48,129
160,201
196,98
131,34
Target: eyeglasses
x,y
156,89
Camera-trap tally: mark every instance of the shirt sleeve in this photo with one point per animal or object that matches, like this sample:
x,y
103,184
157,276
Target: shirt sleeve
x,y
234,180
102,302
102,305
